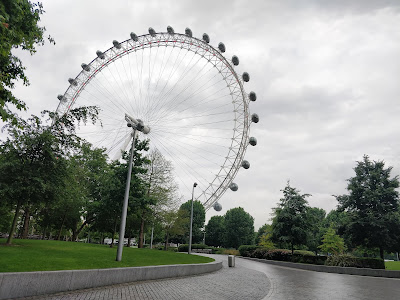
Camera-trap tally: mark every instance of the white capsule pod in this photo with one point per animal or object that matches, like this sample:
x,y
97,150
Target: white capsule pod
x,y
72,82
206,38
253,141
61,98
152,32
170,30
235,60
255,118
117,44
245,164
100,54
233,186
188,32
221,47
217,206
252,96
246,77
134,36
85,67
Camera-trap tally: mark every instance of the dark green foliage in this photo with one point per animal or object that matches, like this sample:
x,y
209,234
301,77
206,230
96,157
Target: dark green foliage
x,y
239,228
291,224
356,262
247,250
18,29
316,217
185,247
372,207
199,217
308,259
278,254
215,229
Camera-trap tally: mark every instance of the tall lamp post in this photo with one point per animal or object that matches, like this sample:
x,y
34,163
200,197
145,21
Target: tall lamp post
x,y
137,125
191,221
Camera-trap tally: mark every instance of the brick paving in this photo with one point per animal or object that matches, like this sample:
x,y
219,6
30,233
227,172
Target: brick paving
x,y
227,283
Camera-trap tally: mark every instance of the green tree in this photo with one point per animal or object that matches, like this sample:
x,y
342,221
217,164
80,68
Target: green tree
x,y
183,221
291,225
372,207
331,242
215,230
264,236
316,217
18,29
239,228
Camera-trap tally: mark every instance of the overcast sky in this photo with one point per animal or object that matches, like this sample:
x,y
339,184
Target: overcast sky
x,y
326,74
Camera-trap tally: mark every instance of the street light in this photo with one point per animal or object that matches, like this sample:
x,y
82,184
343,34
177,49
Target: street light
x,y
136,125
191,222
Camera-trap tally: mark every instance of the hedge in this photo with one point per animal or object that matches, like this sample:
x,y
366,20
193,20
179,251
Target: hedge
x,y
247,250
356,262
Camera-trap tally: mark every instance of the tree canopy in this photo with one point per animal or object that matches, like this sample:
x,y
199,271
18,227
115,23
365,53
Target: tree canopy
x,y
239,228
372,207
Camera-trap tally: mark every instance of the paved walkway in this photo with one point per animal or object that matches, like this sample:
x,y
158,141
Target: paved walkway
x,y
227,283
249,280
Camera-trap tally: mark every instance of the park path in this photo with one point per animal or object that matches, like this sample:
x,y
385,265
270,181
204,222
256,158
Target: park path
x,y
248,280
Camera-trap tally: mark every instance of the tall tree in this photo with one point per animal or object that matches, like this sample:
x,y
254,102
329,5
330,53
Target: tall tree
x,y
18,29
372,207
316,217
183,221
291,225
239,228
215,230
264,235
331,242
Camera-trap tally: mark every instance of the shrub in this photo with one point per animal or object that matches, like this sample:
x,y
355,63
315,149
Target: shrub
x,y
260,253
309,259
247,250
304,252
357,262
278,254
185,247
231,252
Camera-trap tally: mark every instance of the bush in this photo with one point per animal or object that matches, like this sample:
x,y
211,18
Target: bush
x,y
308,259
304,252
247,250
231,252
278,254
260,253
356,262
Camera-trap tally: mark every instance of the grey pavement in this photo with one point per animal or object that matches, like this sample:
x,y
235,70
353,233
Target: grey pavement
x,y
249,280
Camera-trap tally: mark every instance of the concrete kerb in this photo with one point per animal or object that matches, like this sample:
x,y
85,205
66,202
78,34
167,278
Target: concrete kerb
x,y
330,269
25,284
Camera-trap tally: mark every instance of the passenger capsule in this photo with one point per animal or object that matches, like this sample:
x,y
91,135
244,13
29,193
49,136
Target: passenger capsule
x,y
217,206
170,30
233,186
252,96
235,60
117,44
188,32
253,141
85,67
72,82
246,77
134,36
100,54
255,118
61,98
206,38
152,32
221,47
245,164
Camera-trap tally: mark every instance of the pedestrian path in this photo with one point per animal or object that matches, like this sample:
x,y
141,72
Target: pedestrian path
x,y
227,283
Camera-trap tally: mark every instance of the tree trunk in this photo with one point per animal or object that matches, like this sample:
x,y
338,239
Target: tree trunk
x,y
27,216
381,252
166,241
44,233
113,233
141,231
292,249
14,224
62,225
129,240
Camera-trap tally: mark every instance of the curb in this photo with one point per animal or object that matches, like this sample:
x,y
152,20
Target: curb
x,y
330,269
25,284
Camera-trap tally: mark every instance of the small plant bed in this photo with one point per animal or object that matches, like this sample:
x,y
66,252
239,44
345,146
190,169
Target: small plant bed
x,y
38,255
392,265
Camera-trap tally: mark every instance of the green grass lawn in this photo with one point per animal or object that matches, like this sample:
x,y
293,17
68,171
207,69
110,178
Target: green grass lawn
x,y
392,265
38,255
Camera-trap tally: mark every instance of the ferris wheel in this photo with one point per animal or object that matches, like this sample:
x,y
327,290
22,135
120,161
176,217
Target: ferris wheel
x,y
187,94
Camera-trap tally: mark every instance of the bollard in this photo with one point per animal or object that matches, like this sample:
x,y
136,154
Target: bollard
x,y
231,260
